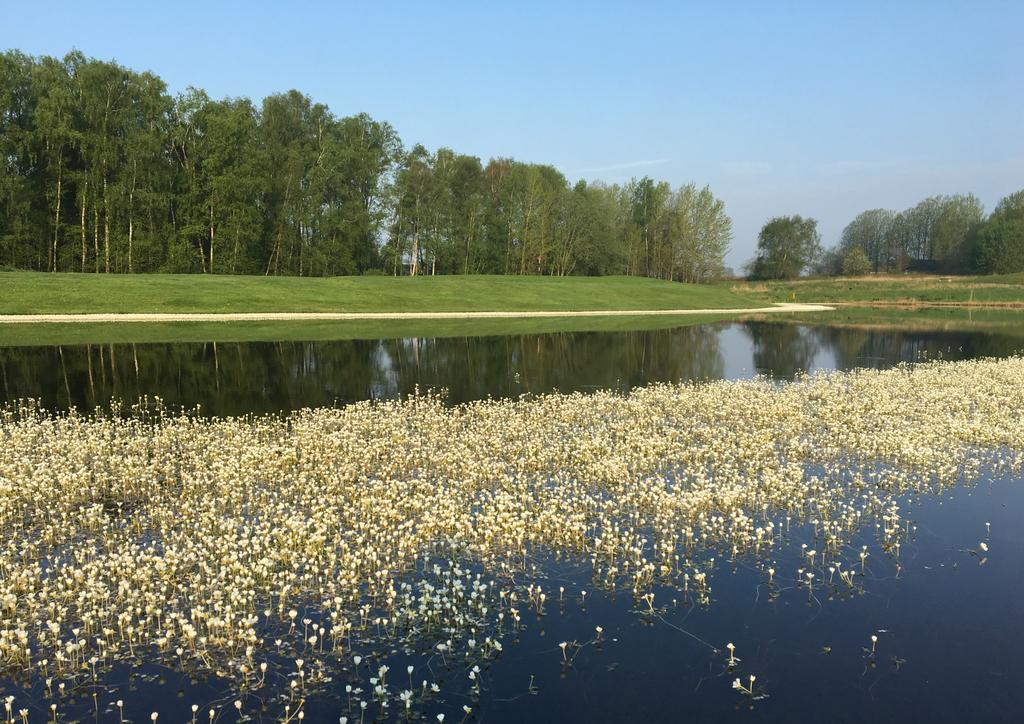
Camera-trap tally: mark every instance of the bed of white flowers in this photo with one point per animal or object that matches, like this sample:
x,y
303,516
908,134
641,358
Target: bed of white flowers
x,y
271,552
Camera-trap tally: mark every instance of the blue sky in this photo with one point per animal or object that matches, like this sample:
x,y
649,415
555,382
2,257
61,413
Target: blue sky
x,y
818,108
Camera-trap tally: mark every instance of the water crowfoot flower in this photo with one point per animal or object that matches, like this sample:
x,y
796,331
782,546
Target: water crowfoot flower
x,y
748,689
203,543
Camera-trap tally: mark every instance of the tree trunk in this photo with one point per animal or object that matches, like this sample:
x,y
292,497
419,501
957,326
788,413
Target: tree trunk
x,y
56,216
275,255
131,218
106,228
398,252
526,231
469,242
414,262
508,246
211,236
96,236
85,196
273,252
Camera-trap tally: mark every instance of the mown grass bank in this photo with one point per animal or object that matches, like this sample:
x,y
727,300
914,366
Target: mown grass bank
x,y
890,289
42,293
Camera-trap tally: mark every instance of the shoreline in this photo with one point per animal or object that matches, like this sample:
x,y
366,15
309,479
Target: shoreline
x,y
369,316
915,304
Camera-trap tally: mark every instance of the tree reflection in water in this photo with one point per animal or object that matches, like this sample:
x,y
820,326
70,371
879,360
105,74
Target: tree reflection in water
x,y
255,377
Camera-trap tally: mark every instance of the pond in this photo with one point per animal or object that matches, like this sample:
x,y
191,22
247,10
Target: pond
x,y
927,629
232,378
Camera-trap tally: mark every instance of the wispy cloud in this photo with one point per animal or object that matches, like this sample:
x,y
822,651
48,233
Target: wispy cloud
x,y
624,166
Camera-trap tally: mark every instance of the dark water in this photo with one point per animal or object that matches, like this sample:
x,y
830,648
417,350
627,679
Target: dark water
x,y
238,378
950,638
950,624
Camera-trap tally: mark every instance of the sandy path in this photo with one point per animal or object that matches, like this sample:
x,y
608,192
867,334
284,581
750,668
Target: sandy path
x,y
353,316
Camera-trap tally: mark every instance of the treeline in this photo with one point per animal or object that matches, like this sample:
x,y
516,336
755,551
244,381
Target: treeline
x,y
101,170
948,234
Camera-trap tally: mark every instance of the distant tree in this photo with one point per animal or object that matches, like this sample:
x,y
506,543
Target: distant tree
x,y
413,189
935,233
960,215
54,124
786,246
699,235
999,247
360,156
19,208
647,224
828,264
870,232
588,243
232,168
856,262
915,229
1010,208
998,244
465,220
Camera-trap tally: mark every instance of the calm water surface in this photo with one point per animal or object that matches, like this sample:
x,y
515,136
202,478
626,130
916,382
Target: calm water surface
x,y
950,623
239,378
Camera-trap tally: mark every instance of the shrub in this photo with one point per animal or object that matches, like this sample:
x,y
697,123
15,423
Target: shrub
x,y
856,262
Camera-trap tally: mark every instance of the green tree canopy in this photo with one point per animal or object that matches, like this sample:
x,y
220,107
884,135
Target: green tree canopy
x,y
1009,208
870,232
935,232
102,170
998,244
999,247
786,246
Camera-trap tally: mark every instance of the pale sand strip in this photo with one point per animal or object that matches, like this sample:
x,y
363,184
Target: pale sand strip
x,y
356,316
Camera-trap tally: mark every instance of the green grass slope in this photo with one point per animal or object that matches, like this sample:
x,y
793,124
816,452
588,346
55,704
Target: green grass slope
x,y
1006,289
42,293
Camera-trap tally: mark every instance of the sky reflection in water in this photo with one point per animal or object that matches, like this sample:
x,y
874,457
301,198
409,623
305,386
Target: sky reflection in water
x,y
239,378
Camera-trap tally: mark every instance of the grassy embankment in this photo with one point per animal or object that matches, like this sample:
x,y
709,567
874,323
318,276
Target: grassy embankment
x,y
897,290
906,301
40,293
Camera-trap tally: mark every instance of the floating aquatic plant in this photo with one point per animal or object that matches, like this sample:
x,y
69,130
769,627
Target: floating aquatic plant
x,y
275,552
